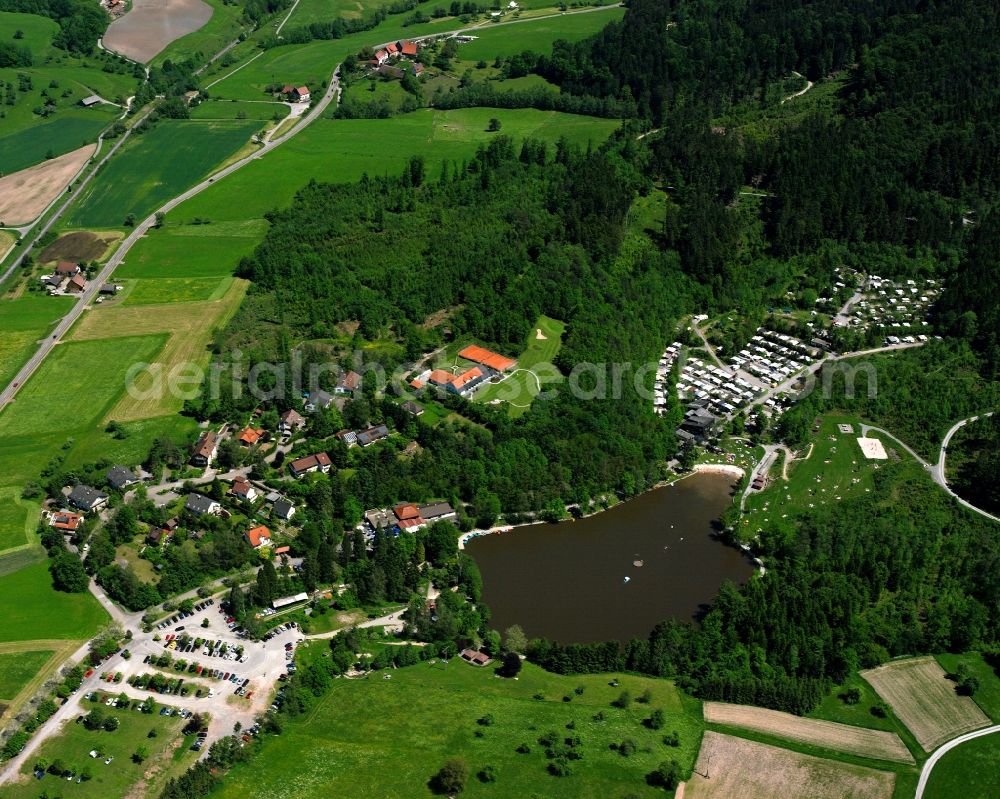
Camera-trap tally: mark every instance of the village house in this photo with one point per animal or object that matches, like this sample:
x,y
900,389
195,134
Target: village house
x,y
320,462
250,436
279,551
65,520
244,490
291,421
318,401
110,289
155,537
120,477
392,49
380,57
201,505
54,282
300,94
412,408
67,269
282,509
86,498
258,537
349,382
373,434
408,49
349,437
205,449
76,284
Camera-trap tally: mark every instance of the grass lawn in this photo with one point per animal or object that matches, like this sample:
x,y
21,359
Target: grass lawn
x,y
18,520
231,109
355,743
42,612
505,40
523,384
343,150
76,384
192,251
969,771
114,779
177,289
17,669
23,321
988,695
133,449
156,166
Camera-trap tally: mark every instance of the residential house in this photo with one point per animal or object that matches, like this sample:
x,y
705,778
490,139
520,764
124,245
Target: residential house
x,y
381,56
155,537
54,281
65,520
76,284
278,551
378,519
67,269
291,421
250,436
320,462
349,437
373,434
408,49
412,408
258,537
318,401
205,449
392,49
349,382
282,509
300,94
436,512
200,505
244,490
87,498
120,477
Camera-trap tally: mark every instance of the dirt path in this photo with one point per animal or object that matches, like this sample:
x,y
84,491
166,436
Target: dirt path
x,y
809,85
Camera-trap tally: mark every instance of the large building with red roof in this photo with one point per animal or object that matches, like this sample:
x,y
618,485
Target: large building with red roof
x,y
483,356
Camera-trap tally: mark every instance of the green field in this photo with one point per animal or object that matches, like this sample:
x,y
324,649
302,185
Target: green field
x,y
356,743
22,323
18,520
43,613
969,771
523,384
156,166
343,150
224,26
537,35
17,669
71,130
192,251
177,289
75,386
988,695
309,11
232,109
113,779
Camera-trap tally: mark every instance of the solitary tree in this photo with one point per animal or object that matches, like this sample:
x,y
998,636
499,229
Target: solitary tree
x,y
451,778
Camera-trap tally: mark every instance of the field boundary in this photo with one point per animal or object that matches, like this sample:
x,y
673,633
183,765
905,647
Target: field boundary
x,y
61,649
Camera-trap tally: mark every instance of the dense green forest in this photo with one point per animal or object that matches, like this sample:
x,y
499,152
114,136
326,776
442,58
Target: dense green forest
x,y
81,23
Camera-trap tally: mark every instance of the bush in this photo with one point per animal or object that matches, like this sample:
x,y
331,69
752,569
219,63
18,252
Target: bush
x,y
451,778
623,701
488,774
655,720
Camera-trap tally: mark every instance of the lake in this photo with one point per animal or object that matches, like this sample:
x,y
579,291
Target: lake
x,y
566,581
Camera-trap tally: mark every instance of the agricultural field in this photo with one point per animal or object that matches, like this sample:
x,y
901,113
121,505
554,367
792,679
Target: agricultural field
x,y
988,695
353,742
17,669
969,771
524,383
192,251
44,613
309,11
18,520
536,35
925,701
239,109
344,150
225,25
123,774
186,328
79,246
827,734
737,767
176,289
23,321
26,194
156,166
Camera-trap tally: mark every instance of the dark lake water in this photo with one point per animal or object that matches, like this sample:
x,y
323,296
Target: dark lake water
x,y
566,581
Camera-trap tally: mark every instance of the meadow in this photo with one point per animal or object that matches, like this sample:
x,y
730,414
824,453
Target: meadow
x,y
73,744
536,35
44,613
155,167
225,25
176,289
18,520
17,669
232,109
341,151
30,146
192,251
356,743
23,321
969,771
523,385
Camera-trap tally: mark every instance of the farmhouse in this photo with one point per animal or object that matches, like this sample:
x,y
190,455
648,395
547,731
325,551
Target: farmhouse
x,y
300,94
76,284
54,281
243,489
282,509
392,49
320,462
87,498
67,269
381,56
373,434
65,520
119,477
258,537
483,356
204,449
200,505
290,421
408,49
250,436
109,289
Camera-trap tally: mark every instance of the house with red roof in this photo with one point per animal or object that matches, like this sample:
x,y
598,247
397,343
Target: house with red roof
x,y
463,383
483,356
65,520
320,462
392,49
76,284
243,489
250,436
258,537
381,56
300,94
408,49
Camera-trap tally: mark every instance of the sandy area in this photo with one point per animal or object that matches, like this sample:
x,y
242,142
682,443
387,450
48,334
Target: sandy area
x,y
829,734
873,449
719,468
925,701
539,335
25,194
153,24
742,769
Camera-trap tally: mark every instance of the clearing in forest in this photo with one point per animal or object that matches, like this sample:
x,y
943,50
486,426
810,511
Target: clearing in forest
x,y
875,744
730,767
924,699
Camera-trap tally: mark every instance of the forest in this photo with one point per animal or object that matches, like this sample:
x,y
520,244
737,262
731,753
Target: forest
x,y
81,23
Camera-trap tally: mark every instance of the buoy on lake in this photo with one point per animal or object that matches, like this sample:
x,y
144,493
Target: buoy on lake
x,y
627,579
637,563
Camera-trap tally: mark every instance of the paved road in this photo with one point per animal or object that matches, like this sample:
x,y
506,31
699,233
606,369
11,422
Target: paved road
x,y
925,772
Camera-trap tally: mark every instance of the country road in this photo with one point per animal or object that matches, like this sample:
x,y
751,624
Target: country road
x,y
925,772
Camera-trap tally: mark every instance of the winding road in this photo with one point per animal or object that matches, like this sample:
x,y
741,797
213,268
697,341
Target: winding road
x,y
925,772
